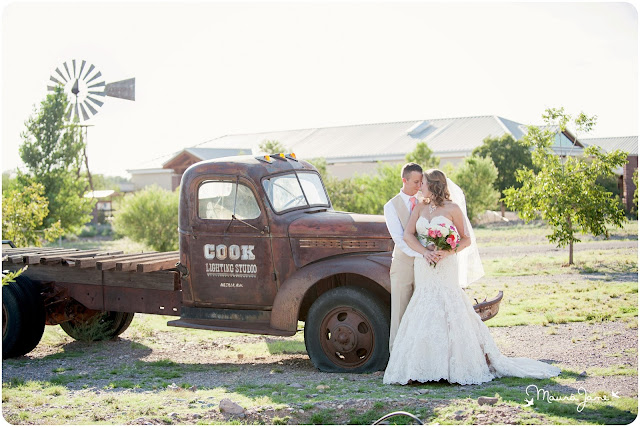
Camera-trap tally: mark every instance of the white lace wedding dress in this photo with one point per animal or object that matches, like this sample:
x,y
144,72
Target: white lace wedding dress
x,y
442,337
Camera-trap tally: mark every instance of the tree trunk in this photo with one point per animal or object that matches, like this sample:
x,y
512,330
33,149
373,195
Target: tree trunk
x,y
86,163
502,209
570,242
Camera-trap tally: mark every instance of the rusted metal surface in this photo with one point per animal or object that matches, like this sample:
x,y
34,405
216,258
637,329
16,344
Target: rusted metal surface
x,y
347,337
229,326
281,243
286,306
326,234
272,265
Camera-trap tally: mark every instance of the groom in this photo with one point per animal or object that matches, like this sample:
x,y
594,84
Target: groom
x,y
396,214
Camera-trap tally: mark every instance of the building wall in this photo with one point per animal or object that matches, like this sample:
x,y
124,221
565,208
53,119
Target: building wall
x,y
348,170
163,180
628,187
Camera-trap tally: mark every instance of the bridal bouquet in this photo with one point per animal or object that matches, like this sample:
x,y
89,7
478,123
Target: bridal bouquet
x,y
439,236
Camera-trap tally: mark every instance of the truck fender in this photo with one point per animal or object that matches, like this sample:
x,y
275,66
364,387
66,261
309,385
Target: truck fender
x,y
286,306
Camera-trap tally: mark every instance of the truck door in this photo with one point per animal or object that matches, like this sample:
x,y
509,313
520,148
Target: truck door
x,y
231,260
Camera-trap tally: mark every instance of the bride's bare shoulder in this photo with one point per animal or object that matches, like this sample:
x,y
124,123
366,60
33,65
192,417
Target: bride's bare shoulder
x,y
451,206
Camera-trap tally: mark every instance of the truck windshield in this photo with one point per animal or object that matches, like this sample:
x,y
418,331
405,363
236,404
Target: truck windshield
x,y
295,190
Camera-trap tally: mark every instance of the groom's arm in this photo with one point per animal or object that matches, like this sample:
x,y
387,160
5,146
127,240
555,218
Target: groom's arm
x,y
397,232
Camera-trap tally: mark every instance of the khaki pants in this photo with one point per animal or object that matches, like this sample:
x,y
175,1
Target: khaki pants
x,y
401,290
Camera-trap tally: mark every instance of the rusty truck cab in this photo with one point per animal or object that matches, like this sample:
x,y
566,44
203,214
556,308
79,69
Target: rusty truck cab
x,y
231,215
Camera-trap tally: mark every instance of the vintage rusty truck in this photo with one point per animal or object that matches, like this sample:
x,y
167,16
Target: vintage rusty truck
x,y
261,249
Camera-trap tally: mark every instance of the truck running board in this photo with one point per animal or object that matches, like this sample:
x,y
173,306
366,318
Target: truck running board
x,y
229,326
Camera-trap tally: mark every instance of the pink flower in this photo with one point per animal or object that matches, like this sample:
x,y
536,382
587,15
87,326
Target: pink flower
x,y
438,233
432,233
451,240
442,225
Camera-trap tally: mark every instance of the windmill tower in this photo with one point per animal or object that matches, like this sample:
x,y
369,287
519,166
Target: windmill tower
x,y
87,89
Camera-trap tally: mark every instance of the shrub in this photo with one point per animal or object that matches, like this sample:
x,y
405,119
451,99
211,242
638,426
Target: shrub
x,y
150,216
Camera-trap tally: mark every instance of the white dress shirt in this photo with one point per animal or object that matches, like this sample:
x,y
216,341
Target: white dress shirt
x,y
395,226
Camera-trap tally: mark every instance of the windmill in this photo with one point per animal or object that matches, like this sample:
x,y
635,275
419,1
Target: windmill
x,y
87,89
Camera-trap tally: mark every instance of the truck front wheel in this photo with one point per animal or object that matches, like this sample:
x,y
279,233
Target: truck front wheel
x,y
102,326
347,330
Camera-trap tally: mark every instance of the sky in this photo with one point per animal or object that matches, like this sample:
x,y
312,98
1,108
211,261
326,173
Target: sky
x,y
207,69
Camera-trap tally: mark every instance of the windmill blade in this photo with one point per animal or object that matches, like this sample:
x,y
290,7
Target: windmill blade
x,y
94,77
61,75
90,70
76,115
98,93
53,79
66,67
82,67
124,89
95,101
85,116
97,85
69,111
74,68
93,110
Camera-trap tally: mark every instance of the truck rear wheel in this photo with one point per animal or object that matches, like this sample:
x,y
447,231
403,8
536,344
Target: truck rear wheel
x,y
23,317
347,330
105,325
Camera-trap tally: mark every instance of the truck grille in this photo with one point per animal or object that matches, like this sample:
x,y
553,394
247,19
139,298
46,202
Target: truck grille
x,y
337,243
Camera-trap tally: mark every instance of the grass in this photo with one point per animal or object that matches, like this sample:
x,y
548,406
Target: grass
x,y
84,388
543,292
445,402
535,233
122,244
609,262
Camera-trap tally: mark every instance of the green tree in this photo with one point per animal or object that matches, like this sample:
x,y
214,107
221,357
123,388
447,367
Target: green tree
x,y
8,182
373,191
52,151
564,190
150,216
321,165
273,147
106,182
23,213
423,156
508,155
476,177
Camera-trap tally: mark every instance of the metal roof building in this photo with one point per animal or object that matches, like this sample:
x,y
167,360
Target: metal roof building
x,y
453,137
624,143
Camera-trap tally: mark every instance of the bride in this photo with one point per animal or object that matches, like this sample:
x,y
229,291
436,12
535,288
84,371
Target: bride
x,y
440,335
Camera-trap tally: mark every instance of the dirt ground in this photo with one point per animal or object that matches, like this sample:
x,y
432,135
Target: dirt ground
x,y
571,346
586,349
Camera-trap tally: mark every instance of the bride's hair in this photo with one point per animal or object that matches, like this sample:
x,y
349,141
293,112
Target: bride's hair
x,y
437,182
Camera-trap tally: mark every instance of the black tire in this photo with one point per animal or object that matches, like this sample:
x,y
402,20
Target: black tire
x,y
11,321
127,318
103,326
23,317
35,315
347,330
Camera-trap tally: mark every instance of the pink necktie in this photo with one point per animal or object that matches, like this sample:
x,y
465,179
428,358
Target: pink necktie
x,y
412,199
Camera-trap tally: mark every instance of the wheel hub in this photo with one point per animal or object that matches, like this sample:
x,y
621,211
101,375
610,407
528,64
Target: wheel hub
x,y
347,337
344,339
